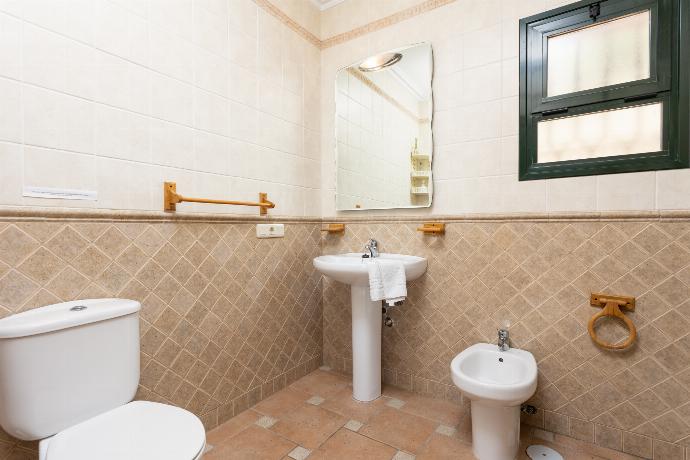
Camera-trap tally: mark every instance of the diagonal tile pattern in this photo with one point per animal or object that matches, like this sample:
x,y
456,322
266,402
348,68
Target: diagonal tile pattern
x,y
538,275
227,319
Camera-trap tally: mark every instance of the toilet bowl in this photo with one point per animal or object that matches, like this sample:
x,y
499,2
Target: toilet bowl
x,y
137,430
68,374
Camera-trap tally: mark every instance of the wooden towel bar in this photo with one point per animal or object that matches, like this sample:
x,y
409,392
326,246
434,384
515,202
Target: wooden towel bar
x,y
171,198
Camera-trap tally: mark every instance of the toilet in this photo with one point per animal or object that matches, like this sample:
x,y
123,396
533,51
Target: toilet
x,y
68,374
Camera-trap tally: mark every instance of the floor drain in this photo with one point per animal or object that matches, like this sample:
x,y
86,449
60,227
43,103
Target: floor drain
x,y
537,452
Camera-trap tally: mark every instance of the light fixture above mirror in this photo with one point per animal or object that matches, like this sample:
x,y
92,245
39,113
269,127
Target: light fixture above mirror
x,y
379,62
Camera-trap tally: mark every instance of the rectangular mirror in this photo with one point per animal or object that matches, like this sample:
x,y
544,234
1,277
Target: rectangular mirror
x,y
384,143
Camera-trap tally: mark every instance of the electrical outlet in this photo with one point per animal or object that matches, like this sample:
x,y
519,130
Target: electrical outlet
x,y
270,230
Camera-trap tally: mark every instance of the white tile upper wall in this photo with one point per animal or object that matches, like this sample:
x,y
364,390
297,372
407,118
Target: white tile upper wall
x,y
475,45
119,95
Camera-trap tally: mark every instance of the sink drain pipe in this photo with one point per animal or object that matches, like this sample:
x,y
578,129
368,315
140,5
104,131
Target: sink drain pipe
x,y
387,320
528,409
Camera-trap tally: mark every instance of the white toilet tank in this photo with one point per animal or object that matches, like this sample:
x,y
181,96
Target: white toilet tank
x,y
65,363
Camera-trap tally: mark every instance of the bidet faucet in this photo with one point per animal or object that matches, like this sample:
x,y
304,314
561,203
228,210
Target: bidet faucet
x,y
503,339
373,247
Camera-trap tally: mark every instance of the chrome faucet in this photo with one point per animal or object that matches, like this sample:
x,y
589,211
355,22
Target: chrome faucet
x,y
373,247
503,340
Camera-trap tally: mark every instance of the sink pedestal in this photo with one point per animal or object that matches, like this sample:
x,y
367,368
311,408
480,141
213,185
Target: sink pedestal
x,y
495,431
366,345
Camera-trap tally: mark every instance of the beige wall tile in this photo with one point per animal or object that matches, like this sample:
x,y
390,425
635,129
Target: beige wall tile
x,y
588,393
206,345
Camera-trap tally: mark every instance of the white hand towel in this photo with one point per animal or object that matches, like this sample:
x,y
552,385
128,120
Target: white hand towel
x,y
387,280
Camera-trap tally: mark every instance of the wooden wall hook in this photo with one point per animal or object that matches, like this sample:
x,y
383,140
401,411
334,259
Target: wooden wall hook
x,y
334,228
612,306
432,228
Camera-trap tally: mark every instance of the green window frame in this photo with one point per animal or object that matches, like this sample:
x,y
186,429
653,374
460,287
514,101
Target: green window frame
x,y
668,83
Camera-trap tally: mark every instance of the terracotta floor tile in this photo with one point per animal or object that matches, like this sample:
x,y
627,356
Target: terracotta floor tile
x,y
522,451
253,443
282,402
344,404
464,428
441,447
320,428
439,410
395,392
321,383
309,426
346,445
232,427
399,429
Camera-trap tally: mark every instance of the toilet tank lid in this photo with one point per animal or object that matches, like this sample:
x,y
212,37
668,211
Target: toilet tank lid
x,y
65,315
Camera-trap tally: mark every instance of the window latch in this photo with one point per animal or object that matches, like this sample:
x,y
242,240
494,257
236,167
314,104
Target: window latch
x,y
594,11
547,113
640,97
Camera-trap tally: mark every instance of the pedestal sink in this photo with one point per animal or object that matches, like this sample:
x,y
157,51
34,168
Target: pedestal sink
x,y
352,269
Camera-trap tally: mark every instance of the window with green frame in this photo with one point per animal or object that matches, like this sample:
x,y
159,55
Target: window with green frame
x,y
604,88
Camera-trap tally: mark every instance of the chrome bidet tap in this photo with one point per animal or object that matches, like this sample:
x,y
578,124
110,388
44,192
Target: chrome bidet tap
x,y
503,340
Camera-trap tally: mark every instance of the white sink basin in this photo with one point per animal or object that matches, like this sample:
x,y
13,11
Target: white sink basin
x,y
353,269
496,383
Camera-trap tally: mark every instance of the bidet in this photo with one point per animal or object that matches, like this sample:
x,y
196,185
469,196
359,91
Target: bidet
x,y
496,382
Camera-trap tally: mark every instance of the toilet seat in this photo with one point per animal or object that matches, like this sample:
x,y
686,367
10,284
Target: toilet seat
x,y
140,430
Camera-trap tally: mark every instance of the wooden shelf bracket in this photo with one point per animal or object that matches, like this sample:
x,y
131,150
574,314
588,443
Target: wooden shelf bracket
x,y
334,228
432,228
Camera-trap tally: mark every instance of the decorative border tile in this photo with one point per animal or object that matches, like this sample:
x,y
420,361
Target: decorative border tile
x,y
289,22
384,22
8,213
374,26
105,215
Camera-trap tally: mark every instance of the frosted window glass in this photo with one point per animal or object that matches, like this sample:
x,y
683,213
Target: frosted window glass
x,y
602,134
600,55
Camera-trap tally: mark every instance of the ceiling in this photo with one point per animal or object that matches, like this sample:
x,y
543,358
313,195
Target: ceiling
x,y
325,4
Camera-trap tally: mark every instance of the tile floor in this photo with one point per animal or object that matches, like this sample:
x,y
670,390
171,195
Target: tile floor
x,y
317,418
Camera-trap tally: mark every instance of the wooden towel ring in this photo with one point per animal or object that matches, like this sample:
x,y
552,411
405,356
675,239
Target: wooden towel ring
x,y
612,307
